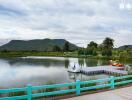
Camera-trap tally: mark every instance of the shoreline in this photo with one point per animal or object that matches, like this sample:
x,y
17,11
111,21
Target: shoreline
x,y
55,54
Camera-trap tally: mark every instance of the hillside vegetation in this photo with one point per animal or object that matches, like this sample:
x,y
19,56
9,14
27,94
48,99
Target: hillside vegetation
x,y
39,45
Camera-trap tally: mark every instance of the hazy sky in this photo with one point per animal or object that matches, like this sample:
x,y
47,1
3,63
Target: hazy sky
x,y
78,21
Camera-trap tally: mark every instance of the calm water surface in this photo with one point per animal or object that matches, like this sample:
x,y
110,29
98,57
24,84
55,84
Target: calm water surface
x,y
19,72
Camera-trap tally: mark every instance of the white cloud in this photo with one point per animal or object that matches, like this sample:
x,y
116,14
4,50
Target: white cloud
x,y
75,20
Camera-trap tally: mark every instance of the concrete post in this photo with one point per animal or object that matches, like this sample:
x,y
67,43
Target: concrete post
x,y
29,92
112,79
77,87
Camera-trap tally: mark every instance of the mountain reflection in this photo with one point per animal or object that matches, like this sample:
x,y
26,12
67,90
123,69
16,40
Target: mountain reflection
x,y
39,62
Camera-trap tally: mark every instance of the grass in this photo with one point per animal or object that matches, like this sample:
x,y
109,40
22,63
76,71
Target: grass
x,y
54,54
23,54
117,54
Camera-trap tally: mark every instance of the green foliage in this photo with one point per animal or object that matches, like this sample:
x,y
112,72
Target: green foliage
x,y
37,45
106,52
130,72
91,51
66,47
107,47
95,53
108,43
125,47
100,47
81,52
56,48
123,55
92,44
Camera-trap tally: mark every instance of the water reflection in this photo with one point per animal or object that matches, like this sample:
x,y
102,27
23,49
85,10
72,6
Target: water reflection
x,y
18,72
83,77
66,63
81,61
40,62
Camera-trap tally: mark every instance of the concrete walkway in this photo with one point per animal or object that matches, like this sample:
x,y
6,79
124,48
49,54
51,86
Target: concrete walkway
x,y
117,94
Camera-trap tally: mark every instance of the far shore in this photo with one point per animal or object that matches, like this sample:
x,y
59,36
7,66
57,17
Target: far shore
x,y
56,54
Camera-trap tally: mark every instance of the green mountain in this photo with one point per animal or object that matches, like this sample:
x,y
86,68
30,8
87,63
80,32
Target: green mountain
x,y
125,47
36,45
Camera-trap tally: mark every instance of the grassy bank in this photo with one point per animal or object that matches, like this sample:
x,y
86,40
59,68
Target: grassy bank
x,y
27,53
54,54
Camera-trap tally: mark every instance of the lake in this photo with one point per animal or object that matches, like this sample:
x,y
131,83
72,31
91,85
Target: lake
x,y
19,72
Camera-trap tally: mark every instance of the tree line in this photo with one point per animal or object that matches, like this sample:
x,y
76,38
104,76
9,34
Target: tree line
x,y
93,49
105,48
65,48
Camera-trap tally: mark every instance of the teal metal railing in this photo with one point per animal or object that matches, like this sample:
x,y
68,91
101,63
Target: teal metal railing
x,y
79,87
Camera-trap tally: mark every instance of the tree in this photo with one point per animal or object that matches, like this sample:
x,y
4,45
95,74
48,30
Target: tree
x,y
89,51
95,52
92,44
107,46
106,52
66,47
56,48
81,51
108,43
100,47
126,47
92,48
123,55
4,50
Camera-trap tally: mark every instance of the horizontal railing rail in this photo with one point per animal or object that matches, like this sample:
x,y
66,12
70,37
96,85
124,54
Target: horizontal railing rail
x,y
54,86
95,81
95,87
74,87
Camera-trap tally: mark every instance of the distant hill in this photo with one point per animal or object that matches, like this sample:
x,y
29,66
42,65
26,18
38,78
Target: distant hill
x,y
36,45
126,46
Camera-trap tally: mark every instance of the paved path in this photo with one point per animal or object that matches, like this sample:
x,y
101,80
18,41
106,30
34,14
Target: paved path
x,y
117,94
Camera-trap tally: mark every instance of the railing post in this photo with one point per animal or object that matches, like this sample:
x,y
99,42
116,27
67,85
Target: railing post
x,y
29,92
77,87
112,82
